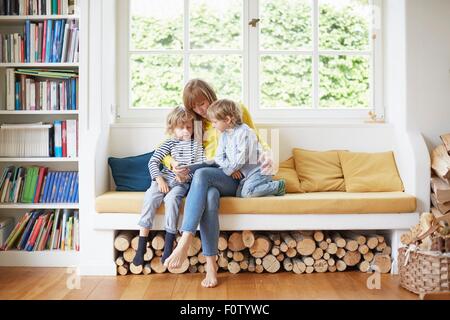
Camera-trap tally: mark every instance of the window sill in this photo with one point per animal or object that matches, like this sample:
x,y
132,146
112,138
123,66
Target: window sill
x,y
266,123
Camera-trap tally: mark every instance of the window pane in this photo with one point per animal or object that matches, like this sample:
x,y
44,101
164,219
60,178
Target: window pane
x,y
215,24
344,24
156,25
285,24
223,72
344,82
286,81
156,80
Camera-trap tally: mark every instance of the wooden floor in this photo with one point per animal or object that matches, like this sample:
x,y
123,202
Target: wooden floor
x,y
50,283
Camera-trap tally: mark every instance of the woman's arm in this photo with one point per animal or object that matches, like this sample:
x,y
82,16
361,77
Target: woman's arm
x,y
265,159
247,119
160,153
167,161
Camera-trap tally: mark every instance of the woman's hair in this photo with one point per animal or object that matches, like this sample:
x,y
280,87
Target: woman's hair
x,y
196,89
221,109
177,118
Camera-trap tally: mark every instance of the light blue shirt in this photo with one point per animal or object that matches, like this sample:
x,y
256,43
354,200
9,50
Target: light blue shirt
x,y
238,149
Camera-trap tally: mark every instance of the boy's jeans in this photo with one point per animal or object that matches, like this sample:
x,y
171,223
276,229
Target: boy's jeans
x,y
172,200
257,185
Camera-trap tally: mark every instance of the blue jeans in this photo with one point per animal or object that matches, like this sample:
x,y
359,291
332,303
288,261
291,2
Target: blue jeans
x,y
202,205
257,185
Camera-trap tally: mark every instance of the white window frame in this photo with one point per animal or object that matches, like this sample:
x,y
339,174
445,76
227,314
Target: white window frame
x,y
250,77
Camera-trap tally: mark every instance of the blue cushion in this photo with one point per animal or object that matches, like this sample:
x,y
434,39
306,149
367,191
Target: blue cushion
x,y
131,173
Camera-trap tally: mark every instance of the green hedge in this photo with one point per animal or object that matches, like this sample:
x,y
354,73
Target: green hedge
x,y
286,80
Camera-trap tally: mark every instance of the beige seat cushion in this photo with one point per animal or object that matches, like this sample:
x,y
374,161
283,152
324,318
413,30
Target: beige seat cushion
x,y
293,203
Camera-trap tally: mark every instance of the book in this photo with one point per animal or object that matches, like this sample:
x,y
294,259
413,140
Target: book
x,y
40,181
41,230
34,234
64,138
18,232
14,231
54,190
54,229
76,230
48,230
65,197
63,228
6,226
20,183
68,241
62,185
33,185
28,181
10,89
14,180
6,186
72,187
71,138
3,176
58,138
47,192
28,230
75,190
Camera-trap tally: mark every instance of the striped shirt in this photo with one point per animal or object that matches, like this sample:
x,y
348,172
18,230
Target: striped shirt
x,y
184,152
238,149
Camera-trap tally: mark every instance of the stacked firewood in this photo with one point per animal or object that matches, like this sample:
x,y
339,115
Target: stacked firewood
x,y
252,251
440,199
432,232
440,179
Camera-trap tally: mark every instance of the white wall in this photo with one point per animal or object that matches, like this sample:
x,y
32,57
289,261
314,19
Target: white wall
x,y
428,68
394,47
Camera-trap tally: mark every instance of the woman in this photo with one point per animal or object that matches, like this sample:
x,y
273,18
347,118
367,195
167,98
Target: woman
x,y
207,186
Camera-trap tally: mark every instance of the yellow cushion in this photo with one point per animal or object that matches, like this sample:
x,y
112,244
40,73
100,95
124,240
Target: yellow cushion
x,y
287,172
319,171
293,203
370,172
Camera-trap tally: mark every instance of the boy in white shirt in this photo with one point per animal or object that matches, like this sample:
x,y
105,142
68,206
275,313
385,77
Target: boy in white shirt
x,y
238,151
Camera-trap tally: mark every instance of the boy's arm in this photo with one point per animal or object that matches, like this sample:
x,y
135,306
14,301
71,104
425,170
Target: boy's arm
x,y
160,153
220,157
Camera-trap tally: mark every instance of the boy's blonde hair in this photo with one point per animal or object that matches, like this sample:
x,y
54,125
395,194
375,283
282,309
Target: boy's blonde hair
x,y
177,118
196,89
221,109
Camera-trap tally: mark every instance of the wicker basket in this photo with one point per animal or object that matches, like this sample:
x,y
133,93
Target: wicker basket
x,y
424,272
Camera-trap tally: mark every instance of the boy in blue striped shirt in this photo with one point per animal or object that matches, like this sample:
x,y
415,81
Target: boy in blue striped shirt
x,y
166,185
238,152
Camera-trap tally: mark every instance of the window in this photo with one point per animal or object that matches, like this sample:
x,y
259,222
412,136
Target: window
x,y
297,58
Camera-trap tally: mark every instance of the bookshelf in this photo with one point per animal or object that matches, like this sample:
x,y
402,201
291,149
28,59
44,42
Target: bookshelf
x,y
5,20
38,112
45,258
38,160
39,206
39,65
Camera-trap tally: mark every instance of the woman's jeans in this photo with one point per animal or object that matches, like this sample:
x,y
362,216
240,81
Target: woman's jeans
x,y
202,205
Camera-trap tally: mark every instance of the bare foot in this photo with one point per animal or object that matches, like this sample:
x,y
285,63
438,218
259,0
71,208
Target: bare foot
x,y
179,254
210,280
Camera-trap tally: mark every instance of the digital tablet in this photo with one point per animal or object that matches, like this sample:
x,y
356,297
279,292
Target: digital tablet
x,y
194,166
